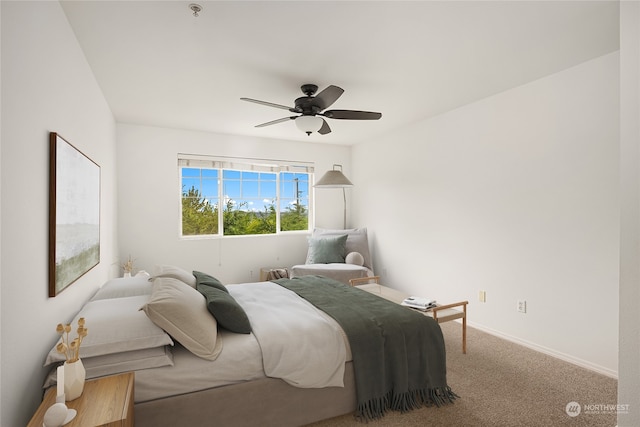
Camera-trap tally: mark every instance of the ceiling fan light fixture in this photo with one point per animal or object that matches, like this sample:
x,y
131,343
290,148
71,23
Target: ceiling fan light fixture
x,y
311,107
309,124
196,9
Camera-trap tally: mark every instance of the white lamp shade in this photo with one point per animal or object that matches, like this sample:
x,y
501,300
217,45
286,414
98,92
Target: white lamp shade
x,y
309,124
334,179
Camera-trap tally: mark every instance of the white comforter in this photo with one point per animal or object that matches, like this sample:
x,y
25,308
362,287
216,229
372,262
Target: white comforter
x,y
291,340
300,344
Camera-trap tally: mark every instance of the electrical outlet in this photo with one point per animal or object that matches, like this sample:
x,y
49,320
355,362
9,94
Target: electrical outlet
x,y
482,296
522,306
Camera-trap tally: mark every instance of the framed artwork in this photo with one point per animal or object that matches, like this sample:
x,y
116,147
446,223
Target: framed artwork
x,y
74,214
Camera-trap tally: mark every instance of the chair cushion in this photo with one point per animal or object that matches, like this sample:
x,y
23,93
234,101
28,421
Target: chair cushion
x,y
336,271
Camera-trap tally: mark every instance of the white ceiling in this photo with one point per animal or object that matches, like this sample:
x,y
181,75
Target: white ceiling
x,y
159,65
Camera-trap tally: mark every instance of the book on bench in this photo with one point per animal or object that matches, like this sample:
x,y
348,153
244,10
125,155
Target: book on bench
x,y
419,303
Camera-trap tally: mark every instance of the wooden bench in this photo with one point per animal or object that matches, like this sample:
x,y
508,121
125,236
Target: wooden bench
x,y
440,313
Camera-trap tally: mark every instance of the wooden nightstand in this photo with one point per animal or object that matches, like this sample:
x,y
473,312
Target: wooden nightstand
x,y
105,402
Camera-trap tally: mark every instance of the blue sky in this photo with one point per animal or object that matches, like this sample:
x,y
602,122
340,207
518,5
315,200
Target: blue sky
x,y
256,189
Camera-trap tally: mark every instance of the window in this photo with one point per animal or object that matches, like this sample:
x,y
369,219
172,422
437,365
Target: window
x,y
256,196
294,201
199,201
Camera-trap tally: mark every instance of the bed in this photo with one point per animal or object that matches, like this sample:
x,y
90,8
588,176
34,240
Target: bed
x,y
275,358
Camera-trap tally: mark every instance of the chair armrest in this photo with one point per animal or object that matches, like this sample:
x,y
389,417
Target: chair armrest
x,y
362,280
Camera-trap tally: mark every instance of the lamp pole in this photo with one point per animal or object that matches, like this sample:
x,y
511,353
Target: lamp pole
x,y
344,198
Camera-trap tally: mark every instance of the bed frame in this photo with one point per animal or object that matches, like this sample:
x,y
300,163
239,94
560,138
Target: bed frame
x,y
268,402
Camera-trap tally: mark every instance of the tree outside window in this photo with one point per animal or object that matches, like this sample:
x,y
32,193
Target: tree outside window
x,y
252,202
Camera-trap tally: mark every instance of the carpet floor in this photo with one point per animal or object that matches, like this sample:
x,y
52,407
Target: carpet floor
x,y
501,383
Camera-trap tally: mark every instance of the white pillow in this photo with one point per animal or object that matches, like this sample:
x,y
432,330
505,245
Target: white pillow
x,y
182,312
123,287
111,364
114,325
354,258
175,273
143,273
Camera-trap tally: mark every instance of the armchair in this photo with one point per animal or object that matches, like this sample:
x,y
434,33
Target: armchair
x,y
341,255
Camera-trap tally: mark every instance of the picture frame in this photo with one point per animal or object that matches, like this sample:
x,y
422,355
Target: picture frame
x,y
74,214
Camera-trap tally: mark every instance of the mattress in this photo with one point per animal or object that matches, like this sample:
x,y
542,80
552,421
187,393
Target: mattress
x,y
240,360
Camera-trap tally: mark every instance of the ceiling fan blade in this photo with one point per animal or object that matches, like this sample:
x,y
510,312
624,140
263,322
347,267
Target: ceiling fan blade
x,y
268,104
328,96
352,115
325,129
273,122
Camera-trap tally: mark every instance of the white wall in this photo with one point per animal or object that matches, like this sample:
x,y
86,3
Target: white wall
x,y
0,215
628,388
517,195
47,85
149,202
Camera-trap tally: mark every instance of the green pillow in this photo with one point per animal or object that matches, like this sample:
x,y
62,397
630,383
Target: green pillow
x,y
229,314
205,279
325,250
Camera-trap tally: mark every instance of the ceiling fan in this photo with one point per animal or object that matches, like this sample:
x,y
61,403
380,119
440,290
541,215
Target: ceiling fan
x,y
311,107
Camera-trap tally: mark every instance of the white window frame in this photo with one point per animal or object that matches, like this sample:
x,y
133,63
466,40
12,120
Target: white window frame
x,y
222,163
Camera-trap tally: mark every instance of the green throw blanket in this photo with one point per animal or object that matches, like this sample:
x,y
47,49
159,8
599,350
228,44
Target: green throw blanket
x,y
398,354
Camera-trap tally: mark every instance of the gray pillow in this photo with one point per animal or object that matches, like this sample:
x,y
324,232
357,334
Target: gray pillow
x,y
208,280
181,311
325,250
175,273
356,241
229,314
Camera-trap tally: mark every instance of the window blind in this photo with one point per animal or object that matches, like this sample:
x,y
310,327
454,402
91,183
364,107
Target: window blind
x,y
244,164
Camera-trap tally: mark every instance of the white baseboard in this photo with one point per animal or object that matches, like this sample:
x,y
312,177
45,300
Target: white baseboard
x,y
567,358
